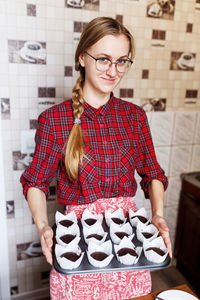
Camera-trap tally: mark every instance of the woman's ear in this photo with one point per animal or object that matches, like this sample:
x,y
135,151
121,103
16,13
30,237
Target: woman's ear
x,y
81,60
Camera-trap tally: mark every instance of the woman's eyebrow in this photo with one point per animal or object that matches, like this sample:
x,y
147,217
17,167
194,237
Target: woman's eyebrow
x,y
104,54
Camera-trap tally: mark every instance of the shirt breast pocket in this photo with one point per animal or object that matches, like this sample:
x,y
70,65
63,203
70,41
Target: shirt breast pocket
x,y
87,169
128,160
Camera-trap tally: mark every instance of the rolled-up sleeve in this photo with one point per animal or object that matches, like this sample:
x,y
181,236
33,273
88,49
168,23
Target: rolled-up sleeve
x,y
148,167
45,159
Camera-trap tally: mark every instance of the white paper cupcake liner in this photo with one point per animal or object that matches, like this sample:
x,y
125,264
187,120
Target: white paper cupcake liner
x,y
134,220
73,230
88,215
142,228
127,259
95,229
119,214
106,248
64,262
125,228
60,217
152,255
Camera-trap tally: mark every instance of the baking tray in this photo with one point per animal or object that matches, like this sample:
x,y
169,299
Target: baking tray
x,y
114,266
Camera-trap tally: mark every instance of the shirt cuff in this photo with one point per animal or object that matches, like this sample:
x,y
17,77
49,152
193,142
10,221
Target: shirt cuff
x,y
146,180
26,185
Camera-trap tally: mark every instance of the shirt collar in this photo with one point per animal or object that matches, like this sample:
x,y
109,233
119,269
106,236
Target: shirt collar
x,y
103,110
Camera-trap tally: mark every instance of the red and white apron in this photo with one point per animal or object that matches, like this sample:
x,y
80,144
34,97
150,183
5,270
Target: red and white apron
x,y
101,286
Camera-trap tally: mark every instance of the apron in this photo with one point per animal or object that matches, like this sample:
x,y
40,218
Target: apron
x,y
101,286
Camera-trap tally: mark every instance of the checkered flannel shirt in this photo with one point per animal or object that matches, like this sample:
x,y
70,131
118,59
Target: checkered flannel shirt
x,y
117,142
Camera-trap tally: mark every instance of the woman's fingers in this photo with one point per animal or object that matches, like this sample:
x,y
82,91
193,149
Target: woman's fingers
x,y
160,223
166,238
48,236
47,243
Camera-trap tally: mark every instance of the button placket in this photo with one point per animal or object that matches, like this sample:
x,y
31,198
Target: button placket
x,y
103,131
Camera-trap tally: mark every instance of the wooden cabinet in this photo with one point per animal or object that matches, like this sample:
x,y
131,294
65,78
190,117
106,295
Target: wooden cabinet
x,y
187,241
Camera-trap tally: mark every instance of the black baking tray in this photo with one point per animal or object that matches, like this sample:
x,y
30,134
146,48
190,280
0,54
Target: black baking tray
x,y
114,266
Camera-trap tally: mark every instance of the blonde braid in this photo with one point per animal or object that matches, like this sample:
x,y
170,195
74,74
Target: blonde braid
x,y
74,150
77,98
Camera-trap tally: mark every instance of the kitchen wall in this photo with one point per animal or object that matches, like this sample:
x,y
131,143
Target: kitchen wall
x,y
38,39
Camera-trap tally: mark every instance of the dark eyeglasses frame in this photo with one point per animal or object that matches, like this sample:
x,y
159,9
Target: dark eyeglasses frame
x,y
114,62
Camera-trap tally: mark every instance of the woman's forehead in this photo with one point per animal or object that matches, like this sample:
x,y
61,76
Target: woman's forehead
x,y
112,45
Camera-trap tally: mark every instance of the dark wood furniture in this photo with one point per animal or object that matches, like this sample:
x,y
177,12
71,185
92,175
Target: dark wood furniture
x,y
187,241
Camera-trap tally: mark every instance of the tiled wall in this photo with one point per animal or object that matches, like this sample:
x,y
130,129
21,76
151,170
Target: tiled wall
x,y
38,39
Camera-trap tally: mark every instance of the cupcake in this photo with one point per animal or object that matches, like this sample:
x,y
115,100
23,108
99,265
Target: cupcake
x,y
95,234
155,250
100,255
65,220
138,216
146,232
126,252
117,232
65,236
88,218
117,217
69,257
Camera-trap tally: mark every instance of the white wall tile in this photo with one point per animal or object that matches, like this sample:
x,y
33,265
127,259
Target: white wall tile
x,y
171,218
195,165
174,189
184,127
162,128
197,130
139,197
149,117
163,157
180,160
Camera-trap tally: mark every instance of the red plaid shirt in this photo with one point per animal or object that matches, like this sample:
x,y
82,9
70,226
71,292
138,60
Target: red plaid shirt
x,y
117,142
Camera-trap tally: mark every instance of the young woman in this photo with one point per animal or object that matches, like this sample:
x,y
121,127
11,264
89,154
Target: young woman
x,y
94,143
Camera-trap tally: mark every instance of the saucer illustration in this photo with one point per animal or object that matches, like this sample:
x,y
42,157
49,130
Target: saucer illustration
x,y
186,61
33,52
76,3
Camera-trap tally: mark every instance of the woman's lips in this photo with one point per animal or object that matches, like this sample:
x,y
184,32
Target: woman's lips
x,y
109,80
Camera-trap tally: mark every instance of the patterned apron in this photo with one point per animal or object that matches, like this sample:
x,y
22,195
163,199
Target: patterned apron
x,y
101,286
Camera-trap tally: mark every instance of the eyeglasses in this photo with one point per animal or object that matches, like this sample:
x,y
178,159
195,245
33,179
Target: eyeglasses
x,y
104,63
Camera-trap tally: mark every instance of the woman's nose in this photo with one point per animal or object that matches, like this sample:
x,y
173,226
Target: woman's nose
x,y
112,70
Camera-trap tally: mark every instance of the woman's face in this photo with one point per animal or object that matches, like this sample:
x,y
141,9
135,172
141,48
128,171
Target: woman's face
x,y
112,47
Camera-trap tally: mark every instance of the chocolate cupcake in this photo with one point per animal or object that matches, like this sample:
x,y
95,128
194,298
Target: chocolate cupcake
x,y
116,217
94,234
117,233
89,219
146,232
66,220
69,257
65,236
140,216
155,250
100,255
126,252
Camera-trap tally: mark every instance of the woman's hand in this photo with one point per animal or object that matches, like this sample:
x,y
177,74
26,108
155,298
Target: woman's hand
x,y
160,223
38,206
46,239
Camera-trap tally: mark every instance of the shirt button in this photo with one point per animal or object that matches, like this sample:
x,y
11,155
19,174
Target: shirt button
x,y
107,179
101,125
105,142
107,159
